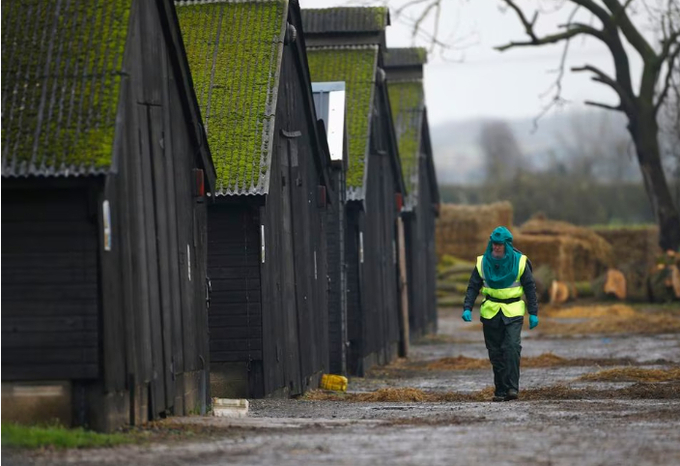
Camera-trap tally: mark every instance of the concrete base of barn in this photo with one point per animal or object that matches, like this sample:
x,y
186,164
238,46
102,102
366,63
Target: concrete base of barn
x,y
74,403
29,403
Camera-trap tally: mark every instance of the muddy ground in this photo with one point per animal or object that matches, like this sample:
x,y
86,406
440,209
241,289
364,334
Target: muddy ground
x,y
563,418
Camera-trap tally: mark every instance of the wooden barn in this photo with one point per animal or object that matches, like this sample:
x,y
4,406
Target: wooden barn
x,y
347,44
329,101
267,244
404,68
104,169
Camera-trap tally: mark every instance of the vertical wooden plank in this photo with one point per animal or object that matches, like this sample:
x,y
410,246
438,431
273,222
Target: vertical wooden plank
x,y
177,145
356,293
141,256
199,309
164,224
150,237
288,278
110,290
403,281
272,297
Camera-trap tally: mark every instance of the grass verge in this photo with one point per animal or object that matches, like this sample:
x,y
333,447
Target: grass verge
x,y
19,436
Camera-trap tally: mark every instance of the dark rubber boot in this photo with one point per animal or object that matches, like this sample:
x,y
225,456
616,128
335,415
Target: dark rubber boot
x,y
512,395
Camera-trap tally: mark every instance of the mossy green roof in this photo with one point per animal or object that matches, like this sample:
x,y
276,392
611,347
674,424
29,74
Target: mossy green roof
x,y
234,51
407,104
61,74
356,65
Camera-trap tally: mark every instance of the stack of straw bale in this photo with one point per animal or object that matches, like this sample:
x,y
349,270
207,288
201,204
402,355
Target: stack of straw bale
x,y
632,245
463,230
573,253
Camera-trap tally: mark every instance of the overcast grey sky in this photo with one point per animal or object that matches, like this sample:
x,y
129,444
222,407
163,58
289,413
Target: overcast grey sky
x,y
487,83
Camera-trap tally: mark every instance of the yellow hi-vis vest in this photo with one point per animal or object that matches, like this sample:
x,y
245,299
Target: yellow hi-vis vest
x,y
515,291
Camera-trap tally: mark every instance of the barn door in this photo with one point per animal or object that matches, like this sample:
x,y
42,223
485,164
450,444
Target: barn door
x,y
292,367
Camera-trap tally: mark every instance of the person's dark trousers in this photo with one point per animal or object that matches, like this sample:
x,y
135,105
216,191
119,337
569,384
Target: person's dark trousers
x,y
502,336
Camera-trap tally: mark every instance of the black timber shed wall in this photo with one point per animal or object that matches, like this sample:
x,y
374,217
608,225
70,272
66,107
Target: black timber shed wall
x,y
269,301
336,226
127,317
421,255
371,249
373,312
406,65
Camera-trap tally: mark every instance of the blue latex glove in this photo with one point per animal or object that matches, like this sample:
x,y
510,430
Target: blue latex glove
x,y
467,315
533,321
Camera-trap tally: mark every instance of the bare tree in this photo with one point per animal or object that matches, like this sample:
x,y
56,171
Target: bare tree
x,y
640,106
503,157
669,126
612,25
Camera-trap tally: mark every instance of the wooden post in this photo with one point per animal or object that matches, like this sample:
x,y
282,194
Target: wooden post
x,y
403,288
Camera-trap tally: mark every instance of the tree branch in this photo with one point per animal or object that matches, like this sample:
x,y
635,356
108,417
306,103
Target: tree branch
x,y
408,5
588,29
637,40
551,39
423,16
667,82
557,98
598,11
602,77
609,35
606,106
667,44
528,25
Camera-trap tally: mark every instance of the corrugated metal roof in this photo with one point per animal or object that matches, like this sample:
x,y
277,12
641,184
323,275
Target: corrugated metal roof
x,y
234,50
407,101
345,20
410,56
61,73
356,65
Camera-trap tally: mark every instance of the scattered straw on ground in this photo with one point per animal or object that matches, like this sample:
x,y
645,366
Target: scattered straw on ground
x,y
637,324
575,312
634,374
543,360
457,363
641,390
399,395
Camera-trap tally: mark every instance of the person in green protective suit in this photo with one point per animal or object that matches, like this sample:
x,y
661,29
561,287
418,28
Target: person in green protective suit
x,y
503,274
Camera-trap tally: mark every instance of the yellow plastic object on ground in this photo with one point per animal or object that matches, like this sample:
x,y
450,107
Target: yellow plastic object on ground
x,y
337,383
